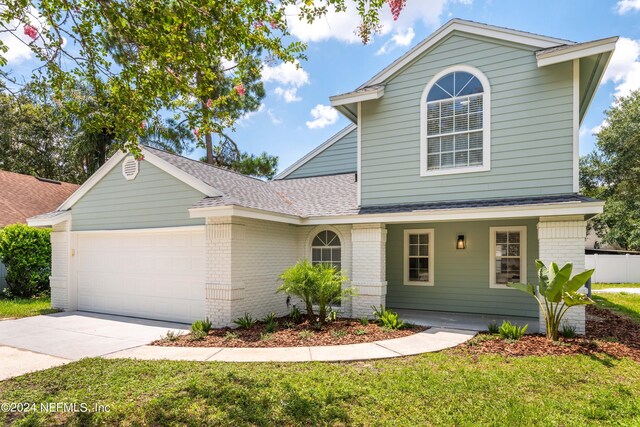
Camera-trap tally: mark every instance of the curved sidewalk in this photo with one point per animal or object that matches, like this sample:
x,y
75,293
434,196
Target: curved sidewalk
x,y
433,339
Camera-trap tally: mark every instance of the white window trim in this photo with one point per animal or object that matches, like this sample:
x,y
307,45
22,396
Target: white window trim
x,y
486,124
492,254
312,235
405,256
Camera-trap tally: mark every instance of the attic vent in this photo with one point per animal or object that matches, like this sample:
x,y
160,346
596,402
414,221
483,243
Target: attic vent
x,y
130,168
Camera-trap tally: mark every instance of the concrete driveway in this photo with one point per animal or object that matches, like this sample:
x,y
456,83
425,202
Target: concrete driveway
x,y
40,342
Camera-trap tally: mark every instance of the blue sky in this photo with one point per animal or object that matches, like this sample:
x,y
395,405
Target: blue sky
x,y
295,116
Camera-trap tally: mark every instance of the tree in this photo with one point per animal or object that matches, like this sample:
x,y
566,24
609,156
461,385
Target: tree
x,y
227,155
612,173
167,50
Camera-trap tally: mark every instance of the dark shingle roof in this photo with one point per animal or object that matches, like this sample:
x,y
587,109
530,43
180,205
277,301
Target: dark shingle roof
x,y
482,203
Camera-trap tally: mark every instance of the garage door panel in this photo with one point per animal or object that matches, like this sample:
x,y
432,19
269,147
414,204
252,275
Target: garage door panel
x,y
157,275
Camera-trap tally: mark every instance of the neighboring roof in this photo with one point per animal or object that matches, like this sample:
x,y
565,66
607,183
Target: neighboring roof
x,y
316,151
23,196
481,203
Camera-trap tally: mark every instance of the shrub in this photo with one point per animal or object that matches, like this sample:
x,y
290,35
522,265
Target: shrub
x,y
364,321
387,318
511,331
319,284
493,328
271,326
172,336
266,336
305,335
332,316
201,325
230,336
339,333
246,321
359,332
270,318
568,331
556,292
197,335
26,253
295,314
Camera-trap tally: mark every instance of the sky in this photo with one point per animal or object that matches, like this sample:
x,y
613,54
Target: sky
x,y
296,116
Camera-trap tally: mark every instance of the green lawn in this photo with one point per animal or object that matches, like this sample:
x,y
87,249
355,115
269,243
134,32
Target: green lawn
x,y
25,307
622,303
596,286
433,389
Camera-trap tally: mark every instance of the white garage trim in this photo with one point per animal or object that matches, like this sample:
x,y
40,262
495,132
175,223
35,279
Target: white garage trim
x,y
146,230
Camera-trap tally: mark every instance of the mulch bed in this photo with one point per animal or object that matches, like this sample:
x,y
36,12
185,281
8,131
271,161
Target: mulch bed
x,y
288,334
607,333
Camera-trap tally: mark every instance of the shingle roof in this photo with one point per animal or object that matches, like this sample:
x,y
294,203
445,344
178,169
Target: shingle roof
x,y
318,196
23,196
482,203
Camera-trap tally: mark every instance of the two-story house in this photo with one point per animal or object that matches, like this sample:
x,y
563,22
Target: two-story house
x,y
459,170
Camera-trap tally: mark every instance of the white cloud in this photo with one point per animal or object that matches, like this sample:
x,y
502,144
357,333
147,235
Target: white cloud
x,y
624,68
398,39
288,94
594,130
291,77
324,115
274,119
286,73
342,25
624,6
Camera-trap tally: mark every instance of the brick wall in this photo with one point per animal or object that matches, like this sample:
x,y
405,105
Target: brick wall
x,y
368,267
562,242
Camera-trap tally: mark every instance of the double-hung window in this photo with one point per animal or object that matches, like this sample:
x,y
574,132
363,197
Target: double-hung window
x,y
508,246
418,257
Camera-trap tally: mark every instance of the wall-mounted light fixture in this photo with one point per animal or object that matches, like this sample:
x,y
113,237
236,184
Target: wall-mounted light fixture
x,y
461,243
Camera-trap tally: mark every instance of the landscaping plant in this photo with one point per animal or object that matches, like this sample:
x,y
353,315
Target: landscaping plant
x,y
387,318
568,331
296,314
556,292
511,331
201,325
245,321
26,253
493,328
319,284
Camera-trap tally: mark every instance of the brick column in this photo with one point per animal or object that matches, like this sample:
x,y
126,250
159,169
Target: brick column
x,y
562,241
224,290
368,273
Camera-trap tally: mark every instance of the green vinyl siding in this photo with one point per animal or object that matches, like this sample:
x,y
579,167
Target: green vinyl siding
x,y
461,279
153,199
340,157
531,128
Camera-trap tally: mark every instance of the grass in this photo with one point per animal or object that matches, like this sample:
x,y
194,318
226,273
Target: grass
x,y
596,286
622,303
25,307
434,389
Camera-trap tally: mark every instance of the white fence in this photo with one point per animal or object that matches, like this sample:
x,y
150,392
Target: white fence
x,y
614,268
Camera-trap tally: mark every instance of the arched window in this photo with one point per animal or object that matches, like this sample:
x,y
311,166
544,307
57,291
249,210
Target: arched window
x,y
455,122
326,248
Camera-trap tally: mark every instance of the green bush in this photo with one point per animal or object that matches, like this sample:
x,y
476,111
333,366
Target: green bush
x,y
511,331
245,322
295,314
201,325
26,253
493,328
387,318
568,331
319,284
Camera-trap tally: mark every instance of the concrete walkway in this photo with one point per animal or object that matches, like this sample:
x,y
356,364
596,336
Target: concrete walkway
x,y
618,290
433,339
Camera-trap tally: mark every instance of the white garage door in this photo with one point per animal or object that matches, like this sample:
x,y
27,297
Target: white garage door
x,y
152,275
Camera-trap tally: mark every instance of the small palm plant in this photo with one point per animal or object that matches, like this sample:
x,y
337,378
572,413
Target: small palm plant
x,y
319,284
556,292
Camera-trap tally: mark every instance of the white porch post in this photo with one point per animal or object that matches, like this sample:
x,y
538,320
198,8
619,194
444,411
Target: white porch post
x,y
562,241
368,272
224,292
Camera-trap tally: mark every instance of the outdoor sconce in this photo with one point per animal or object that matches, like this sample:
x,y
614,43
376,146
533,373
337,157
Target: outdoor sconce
x,y
461,242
